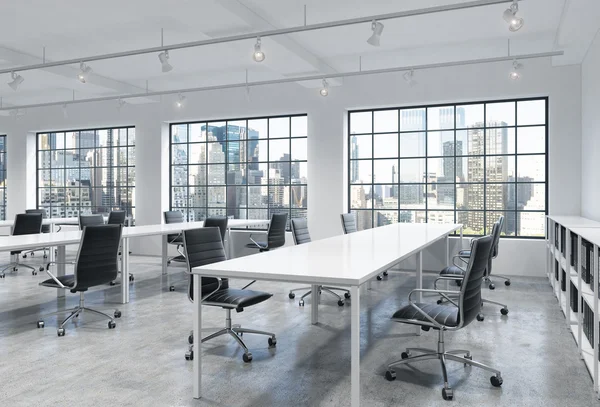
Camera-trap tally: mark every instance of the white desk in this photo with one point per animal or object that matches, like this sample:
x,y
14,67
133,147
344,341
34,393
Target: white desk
x,y
346,260
61,239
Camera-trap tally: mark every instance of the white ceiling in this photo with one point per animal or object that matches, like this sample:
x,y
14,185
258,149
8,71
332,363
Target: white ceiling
x,y
78,28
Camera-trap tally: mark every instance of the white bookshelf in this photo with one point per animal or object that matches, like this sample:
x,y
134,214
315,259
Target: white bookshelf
x,y
558,248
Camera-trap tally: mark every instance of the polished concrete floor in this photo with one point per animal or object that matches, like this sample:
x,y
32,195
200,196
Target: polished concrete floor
x,y
141,362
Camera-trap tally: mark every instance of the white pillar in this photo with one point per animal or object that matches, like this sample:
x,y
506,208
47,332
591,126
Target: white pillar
x,y
20,169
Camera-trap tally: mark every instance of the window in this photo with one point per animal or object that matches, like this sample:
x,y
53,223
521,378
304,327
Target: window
x,y
86,171
244,168
2,177
465,163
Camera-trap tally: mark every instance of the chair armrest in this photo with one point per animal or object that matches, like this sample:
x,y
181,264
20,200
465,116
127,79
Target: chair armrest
x,y
211,293
176,237
58,262
420,311
429,290
254,241
461,258
53,277
249,284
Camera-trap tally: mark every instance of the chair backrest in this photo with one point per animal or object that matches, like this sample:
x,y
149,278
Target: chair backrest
x,y
45,228
173,217
500,223
27,224
469,302
203,246
276,233
90,220
349,223
97,262
217,222
300,231
116,218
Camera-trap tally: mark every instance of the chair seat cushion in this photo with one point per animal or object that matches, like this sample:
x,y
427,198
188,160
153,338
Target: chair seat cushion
x,y
175,239
452,271
464,253
236,298
258,245
444,314
67,280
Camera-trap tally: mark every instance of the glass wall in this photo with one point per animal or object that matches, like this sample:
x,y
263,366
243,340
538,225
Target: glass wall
x,y
465,163
243,168
2,177
86,171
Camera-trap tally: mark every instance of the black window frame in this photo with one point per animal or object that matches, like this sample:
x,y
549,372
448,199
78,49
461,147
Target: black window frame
x,y
3,178
426,158
130,188
291,209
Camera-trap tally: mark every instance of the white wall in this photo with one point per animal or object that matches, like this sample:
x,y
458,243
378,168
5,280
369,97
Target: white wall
x,y
327,137
590,115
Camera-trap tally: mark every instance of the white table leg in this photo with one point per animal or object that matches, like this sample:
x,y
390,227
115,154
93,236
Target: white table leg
x,y
369,284
125,270
419,261
61,268
197,362
447,250
51,256
165,255
314,305
355,347
228,245
461,239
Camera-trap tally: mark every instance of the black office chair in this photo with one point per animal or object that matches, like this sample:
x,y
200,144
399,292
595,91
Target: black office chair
x,y
349,225
25,224
204,246
118,218
275,234
45,229
449,317
96,264
175,238
456,273
301,236
218,222
90,220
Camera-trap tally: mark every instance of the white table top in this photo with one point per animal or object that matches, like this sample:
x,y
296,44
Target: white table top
x,y
574,221
346,260
9,243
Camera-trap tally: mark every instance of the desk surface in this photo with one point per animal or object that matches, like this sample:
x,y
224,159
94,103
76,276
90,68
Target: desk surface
x,y
345,260
574,221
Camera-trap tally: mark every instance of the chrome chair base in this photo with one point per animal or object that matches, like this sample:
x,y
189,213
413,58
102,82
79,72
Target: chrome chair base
x,y
74,313
236,332
442,355
179,258
15,266
327,289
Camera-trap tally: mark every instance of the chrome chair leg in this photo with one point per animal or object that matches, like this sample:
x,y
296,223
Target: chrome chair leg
x,y
410,359
471,362
252,331
214,335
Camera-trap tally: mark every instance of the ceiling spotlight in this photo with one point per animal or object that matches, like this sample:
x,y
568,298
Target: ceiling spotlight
x,y
409,77
510,16
377,29
17,80
85,72
325,89
258,55
180,101
514,74
163,57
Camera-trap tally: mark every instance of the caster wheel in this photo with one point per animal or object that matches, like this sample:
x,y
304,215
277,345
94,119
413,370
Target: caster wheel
x,y
191,339
496,381
60,331
272,342
379,278
76,315
131,279
24,256
301,303
111,325
247,357
41,268
425,328
117,314
480,317
458,282
172,288
390,375
341,303
405,355
34,273
385,273
439,302
2,275
507,283
468,357
168,262
347,295
504,311
447,394
112,283
291,296
492,286
32,254
189,355
40,324
45,256
15,269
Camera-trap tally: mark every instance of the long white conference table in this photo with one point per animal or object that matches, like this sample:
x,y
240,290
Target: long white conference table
x,y
62,239
347,260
